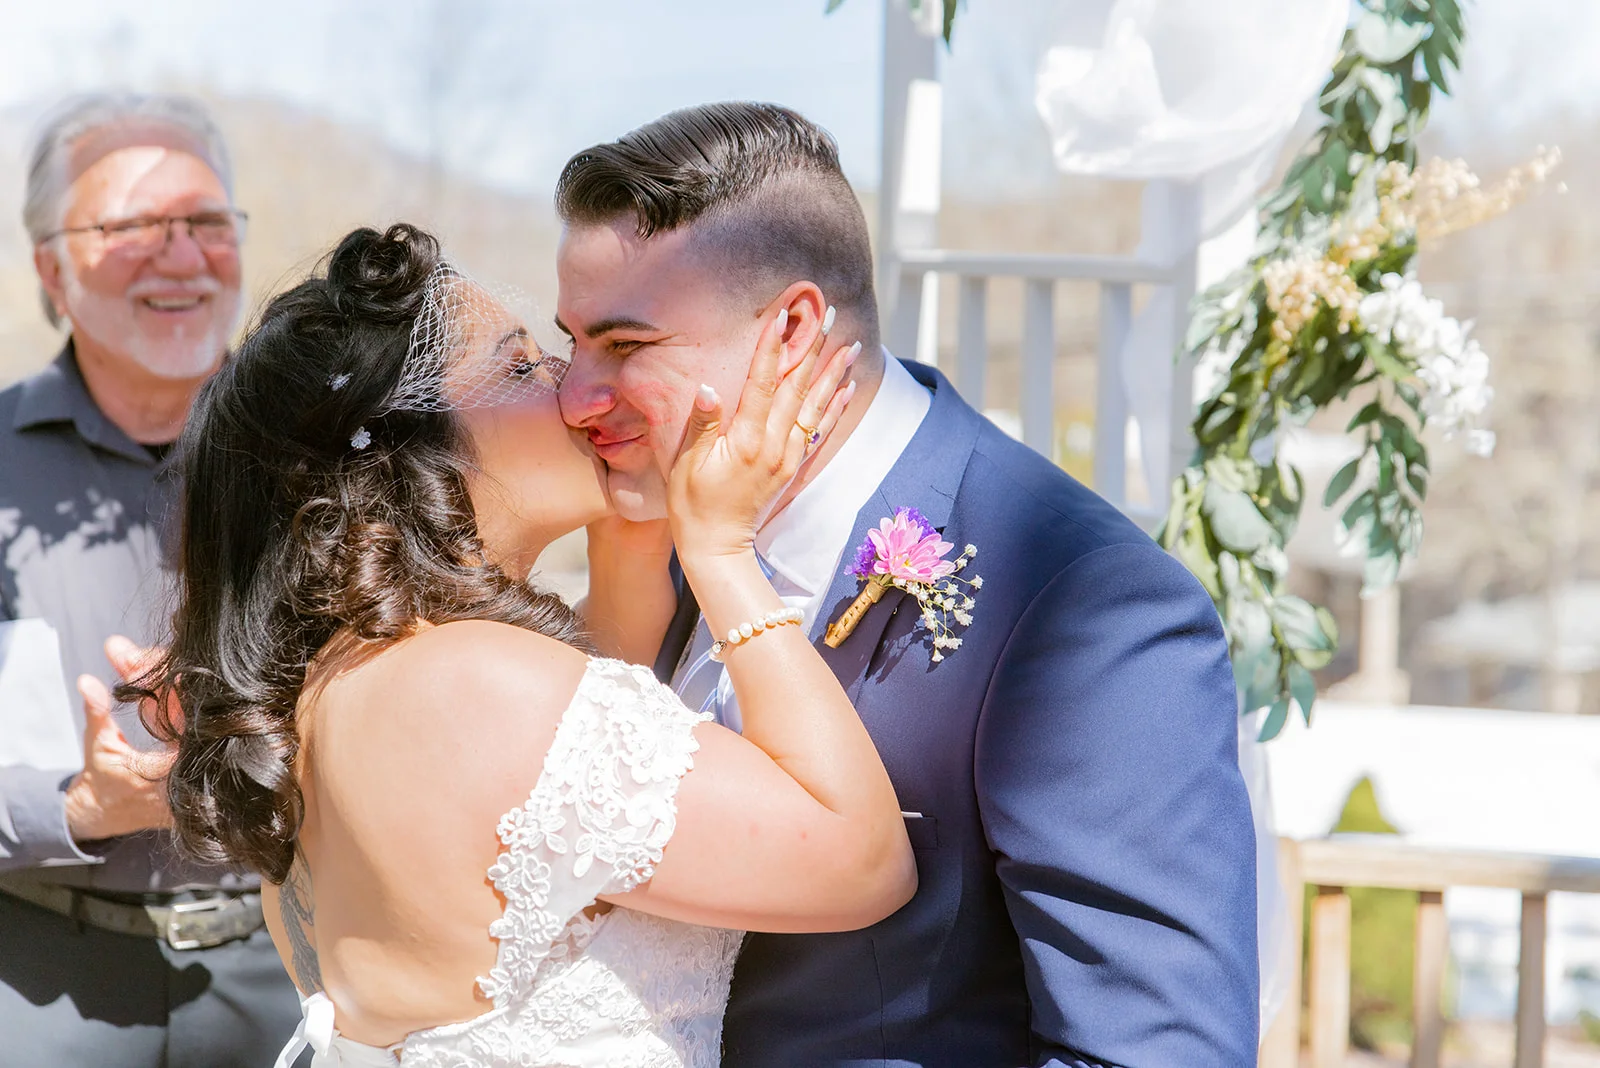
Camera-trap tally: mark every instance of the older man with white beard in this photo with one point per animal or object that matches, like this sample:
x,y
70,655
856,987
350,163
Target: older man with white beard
x,y
112,952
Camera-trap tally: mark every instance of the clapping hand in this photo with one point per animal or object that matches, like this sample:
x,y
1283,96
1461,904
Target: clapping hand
x,y
121,789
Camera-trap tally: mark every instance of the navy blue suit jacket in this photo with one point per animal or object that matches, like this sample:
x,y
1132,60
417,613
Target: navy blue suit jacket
x,y
1085,850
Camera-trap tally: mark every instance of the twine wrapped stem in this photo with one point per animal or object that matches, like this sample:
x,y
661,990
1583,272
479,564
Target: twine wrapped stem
x,y
845,625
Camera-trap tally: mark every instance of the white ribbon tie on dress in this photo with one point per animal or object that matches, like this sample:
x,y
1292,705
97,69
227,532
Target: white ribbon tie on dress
x,y
316,1031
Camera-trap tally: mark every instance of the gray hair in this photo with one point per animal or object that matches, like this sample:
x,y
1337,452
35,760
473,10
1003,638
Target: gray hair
x,y
49,170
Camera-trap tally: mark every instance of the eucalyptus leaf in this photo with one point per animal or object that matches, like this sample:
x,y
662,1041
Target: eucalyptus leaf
x,y
1383,40
1298,621
1417,476
1235,520
1273,724
1204,319
1329,626
1381,132
1433,64
1303,688
1337,90
1263,684
1368,414
1341,482
1191,552
1250,636
1380,572
1359,512
1229,473
1411,534
1313,659
1290,484
1381,84
1228,569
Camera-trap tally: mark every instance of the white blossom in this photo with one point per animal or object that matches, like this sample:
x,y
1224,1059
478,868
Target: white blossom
x,y
1452,367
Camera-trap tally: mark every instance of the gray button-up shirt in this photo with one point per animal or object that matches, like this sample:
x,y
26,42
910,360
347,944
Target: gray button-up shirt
x,y
81,508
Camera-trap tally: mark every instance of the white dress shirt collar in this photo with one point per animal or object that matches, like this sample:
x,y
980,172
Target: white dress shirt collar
x,y
805,543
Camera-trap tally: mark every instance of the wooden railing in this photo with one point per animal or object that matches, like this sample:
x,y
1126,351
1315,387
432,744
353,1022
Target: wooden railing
x,y
1332,864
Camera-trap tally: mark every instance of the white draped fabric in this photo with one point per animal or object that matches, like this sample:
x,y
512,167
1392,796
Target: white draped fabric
x,y
1203,93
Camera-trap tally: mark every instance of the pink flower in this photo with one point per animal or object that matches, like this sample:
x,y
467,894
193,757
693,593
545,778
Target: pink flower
x,y
907,550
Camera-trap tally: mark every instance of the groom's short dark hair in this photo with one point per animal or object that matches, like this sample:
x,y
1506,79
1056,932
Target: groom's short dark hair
x,y
760,184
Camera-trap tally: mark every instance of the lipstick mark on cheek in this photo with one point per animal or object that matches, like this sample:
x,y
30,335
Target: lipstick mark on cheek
x,y
663,410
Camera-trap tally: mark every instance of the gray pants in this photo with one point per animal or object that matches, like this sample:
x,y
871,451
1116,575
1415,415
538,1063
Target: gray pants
x,y
101,1000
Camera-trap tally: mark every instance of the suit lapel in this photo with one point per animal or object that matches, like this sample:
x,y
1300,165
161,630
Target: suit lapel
x,y
926,477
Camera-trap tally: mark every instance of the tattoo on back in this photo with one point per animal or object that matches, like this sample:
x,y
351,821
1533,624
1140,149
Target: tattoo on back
x,y
299,923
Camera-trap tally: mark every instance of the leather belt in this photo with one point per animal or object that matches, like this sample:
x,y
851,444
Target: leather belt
x,y
199,924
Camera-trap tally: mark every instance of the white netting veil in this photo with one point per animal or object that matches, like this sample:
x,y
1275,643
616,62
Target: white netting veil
x,y
472,347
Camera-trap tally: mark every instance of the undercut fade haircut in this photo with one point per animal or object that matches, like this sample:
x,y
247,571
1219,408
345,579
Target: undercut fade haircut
x,y
759,185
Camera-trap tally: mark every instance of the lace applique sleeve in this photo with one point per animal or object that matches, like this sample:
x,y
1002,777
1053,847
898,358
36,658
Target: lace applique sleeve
x,y
599,818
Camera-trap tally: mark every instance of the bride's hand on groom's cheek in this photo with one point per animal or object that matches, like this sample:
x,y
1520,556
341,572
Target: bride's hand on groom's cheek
x,y
732,468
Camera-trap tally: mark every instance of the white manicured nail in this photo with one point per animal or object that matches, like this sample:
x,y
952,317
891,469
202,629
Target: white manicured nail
x,y
850,357
706,399
783,320
827,320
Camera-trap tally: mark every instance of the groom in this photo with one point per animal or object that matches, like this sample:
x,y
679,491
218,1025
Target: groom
x,y
1069,773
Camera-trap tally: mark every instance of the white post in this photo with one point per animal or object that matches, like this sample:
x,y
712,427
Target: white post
x,y
1039,365
1111,399
908,190
972,338
1184,220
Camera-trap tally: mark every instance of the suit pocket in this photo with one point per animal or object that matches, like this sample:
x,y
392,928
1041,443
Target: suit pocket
x,y
923,831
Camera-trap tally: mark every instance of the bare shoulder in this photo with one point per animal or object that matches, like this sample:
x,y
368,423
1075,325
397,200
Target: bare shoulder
x,y
472,694
485,654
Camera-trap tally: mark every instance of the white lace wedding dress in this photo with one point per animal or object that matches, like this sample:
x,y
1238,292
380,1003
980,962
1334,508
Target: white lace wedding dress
x,y
619,990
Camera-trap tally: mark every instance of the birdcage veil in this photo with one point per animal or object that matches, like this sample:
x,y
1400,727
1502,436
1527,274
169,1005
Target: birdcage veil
x,y
472,347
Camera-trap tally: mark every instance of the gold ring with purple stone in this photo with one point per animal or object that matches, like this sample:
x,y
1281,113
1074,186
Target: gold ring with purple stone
x,y
813,435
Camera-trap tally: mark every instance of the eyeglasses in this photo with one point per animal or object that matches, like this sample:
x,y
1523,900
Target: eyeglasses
x,y
149,234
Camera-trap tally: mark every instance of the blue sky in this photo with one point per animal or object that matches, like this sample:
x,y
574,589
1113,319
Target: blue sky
x,y
526,82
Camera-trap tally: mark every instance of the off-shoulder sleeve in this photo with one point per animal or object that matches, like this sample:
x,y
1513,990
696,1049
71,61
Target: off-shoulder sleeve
x,y
597,821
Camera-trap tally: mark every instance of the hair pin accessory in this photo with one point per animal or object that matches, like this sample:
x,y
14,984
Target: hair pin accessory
x,y
338,382
361,438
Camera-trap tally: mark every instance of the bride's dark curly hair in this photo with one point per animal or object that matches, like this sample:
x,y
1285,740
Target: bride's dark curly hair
x,y
291,535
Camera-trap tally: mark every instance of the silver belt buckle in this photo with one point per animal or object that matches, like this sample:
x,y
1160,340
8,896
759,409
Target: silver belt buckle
x,y
176,923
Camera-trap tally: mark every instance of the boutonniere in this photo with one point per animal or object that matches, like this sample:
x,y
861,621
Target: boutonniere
x,y
904,551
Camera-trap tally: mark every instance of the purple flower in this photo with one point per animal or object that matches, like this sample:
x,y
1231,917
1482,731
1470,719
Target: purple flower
x,y
866,556
917,520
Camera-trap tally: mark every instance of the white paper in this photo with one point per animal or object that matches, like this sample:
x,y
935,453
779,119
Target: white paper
x,y
37,728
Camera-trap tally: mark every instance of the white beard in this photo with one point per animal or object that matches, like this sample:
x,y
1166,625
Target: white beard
x,y
181,355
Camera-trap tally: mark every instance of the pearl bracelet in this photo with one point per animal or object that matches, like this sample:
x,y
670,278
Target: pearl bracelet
x,y
745,631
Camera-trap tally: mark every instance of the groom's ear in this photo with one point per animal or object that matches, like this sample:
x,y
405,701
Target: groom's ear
x,y
808,309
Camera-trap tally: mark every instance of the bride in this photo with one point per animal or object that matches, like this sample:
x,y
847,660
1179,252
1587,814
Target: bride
x,y
484,844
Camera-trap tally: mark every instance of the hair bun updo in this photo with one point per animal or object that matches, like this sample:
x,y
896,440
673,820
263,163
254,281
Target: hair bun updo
x,y
382,278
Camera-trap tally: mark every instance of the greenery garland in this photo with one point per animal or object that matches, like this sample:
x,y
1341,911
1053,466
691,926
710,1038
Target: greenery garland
x,y
1327,309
